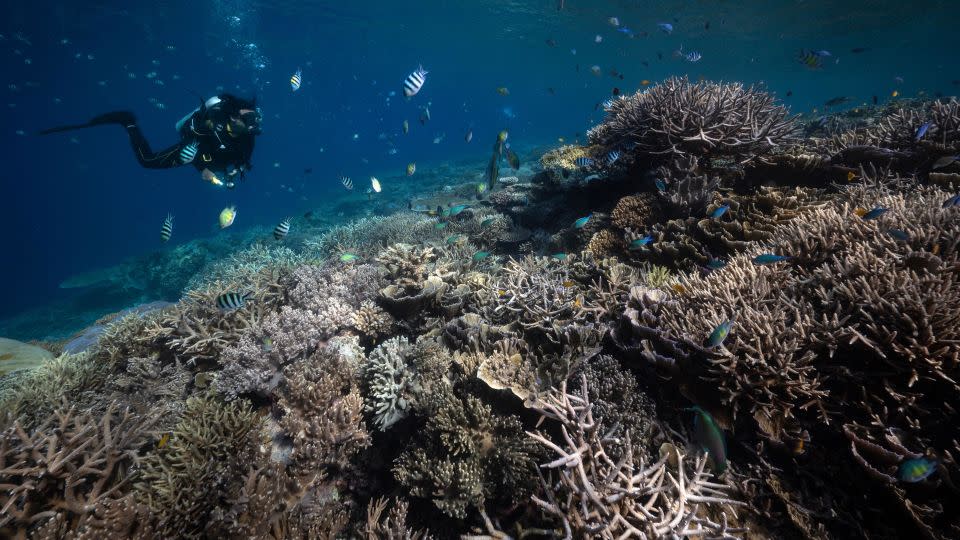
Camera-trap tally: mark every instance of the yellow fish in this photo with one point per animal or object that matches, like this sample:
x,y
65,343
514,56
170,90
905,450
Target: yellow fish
x,y
164,439
850,176
895,93
679,289
567,284
936,249
860,212
411,168
644,83
227,215
502,136
503,91
577,303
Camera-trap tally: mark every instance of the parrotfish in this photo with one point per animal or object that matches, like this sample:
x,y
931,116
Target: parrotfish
x,y
487,222
769,258
559,256
916,470
710,438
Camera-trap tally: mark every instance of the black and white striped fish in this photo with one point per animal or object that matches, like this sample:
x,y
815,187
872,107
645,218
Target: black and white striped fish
x,y
230,301
347,182
281,229
583,161
188,152
167,229
414,81
612,157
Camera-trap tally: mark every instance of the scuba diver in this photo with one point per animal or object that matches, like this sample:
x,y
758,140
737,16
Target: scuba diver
x,y
217,137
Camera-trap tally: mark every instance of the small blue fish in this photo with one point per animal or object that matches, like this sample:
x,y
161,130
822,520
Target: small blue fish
x,y
721,210
487,222
719,334
916,470
875,213
716,264
922,130
637,243
625,30
661,185
583,162
666,27
769,258
453,239
822,53
580,223
899,234
454,210
710,438
612,157
559,256
481,255
952,201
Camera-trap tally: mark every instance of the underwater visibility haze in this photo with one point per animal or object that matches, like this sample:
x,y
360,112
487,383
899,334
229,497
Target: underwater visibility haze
x,y
498,269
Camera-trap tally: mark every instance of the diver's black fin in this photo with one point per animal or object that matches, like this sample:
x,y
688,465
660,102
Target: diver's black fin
x,y
123,118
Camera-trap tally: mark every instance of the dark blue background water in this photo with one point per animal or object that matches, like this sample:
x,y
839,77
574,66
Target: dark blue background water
x,y
73,204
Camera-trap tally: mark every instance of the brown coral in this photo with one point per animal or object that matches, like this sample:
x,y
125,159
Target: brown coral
x,y
680,117
605,242
634,211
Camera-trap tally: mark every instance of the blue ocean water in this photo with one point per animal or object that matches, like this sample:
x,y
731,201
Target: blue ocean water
x,y
78,201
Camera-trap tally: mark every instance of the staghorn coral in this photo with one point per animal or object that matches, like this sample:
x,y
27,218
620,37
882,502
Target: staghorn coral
x,y
681,117
589,492
860,326
33,397
393,526
467,456
244,264
60,471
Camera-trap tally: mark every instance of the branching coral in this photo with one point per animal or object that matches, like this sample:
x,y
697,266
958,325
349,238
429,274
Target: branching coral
x,y
367,236
64,468
681,117
467,455
391,527
589,492
860,324
207,454
322,413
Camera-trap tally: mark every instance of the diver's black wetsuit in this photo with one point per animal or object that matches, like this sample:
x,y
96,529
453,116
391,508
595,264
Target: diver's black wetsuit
x,y
221,148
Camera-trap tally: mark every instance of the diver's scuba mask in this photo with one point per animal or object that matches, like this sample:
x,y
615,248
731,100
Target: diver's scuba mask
x,y
247,124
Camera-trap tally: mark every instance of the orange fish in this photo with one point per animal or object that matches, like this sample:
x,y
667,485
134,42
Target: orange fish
x,y
936,249
164,439
860,211
680,289
644,83
895,93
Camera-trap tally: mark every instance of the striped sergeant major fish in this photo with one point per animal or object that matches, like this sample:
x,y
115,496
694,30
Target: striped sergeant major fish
x,y
188,152
347,182
281,229
583,161
414,82
296,79
230,301
167,229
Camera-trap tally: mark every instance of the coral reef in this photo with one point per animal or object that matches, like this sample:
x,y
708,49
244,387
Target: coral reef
x,y
681,117
588,492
